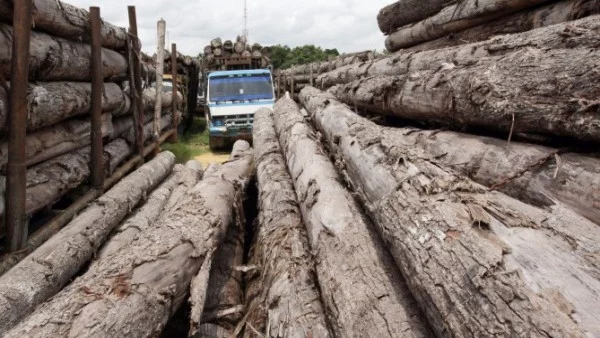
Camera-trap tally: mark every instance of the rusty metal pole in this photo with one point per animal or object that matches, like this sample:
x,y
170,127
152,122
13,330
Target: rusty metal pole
x,y
97,162
16,217
175,137
136,86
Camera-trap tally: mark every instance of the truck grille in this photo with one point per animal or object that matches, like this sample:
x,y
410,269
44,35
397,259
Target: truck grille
x,y
239,120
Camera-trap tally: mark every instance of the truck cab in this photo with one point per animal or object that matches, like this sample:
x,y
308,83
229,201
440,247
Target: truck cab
x,y
232,98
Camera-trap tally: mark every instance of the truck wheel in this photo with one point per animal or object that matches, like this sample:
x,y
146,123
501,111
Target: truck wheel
x,y
215,143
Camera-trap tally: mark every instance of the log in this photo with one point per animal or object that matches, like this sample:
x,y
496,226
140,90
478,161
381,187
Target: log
x,y
478,262
207,50
146,281
50,267
239,47
149,99
454,18
58,59
160,67
583,33
228,46
216,43
256,54
530,90
67,21
284,297
218,52
541,16
62,138
348,255
405,12
53,102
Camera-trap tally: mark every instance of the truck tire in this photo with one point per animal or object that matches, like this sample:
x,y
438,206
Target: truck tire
x,y
215,143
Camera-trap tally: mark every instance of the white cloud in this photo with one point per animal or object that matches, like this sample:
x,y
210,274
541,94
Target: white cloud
x,y
349,25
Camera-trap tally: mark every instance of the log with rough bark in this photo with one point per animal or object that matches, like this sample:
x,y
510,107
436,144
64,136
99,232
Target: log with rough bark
x,y
530,90
283,298
478,262
583,33
457,16
348,254
142,285
49,268
58,59
166,101
53,102
404,12
47,143
67,21
541,16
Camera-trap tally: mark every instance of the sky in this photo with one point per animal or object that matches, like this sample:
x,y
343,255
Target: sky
x,y
348,25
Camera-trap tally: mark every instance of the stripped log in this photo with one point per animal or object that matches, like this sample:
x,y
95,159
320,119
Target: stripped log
x,y
583,33
67,21
542,16
146,281
53,102
453,18
44,272
404,12
478,262
348,255
58,59
495,93
47,143
283,297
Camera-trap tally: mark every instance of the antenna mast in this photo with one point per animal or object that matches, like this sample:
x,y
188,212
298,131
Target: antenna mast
x,y
245,32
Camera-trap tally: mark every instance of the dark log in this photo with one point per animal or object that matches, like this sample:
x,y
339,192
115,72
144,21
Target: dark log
x,y
216,43
53,102
50,267
58,59
583,33
50,142
283,297
405,12
478,262
348,254
146,281
67,21
529,90
454,18
541,16
207,50
228,46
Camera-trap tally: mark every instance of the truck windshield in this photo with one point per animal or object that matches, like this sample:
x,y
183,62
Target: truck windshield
x,y
240,87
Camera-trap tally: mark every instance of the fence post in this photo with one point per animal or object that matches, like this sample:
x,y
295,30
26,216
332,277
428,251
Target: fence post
x,y
16,180
136,79
97,162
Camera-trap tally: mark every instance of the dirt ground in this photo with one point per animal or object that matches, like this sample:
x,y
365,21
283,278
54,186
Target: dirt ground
x,y
210,157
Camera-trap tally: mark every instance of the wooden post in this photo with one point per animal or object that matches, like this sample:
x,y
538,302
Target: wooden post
x,y
160,66
97,160
279,84
16,218
136,81
292,86
311,75
175,137
330,64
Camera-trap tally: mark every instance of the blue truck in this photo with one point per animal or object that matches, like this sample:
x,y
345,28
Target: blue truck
x,y
232,97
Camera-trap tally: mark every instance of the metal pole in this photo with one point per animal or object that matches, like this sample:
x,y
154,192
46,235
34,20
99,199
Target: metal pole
x,y
174,138
136,86
97,163
16,217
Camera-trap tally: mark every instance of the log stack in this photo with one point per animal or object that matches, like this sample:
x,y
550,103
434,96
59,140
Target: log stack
x,y
218,51
59,101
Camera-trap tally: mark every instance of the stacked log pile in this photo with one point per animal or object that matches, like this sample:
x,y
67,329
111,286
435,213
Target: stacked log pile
x,y
59,101
219,50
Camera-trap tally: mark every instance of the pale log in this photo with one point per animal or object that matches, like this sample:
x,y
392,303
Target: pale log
x,y
283,296
453,18
50,267
348,254
478,262
404,12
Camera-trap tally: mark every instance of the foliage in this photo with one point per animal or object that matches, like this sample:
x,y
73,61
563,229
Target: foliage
x,y
193,143
284,57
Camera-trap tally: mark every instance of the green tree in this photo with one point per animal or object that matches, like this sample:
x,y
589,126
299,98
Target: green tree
x,y
284,57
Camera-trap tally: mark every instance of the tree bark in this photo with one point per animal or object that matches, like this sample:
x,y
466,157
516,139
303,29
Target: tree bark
x,y
453,18
50,267
405,12
58,59
283,299
59,139
67,21
478,262
583,33
53,102
529,90
541,16
133,293
348,255
149,99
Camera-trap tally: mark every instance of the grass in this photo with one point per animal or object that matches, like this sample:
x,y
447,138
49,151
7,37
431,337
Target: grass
x,y
194,142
